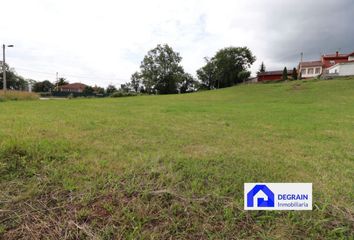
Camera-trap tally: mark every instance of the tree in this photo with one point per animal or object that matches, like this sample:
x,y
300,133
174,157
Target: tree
x,y
88,90
243,75
61,82
98,90
44,86
125,87
111,89
161,70
230,62
135,81
207,74
13,80
294,74
285,74
188,84
262,68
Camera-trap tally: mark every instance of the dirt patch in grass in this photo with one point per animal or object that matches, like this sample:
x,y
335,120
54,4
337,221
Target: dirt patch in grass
x,y
297,87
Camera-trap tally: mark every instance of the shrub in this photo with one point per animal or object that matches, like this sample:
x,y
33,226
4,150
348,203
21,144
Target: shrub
x,y
17,95
123,94
45,94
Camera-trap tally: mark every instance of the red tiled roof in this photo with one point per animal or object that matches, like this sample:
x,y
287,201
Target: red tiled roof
x,y
311,64
74,86
340,55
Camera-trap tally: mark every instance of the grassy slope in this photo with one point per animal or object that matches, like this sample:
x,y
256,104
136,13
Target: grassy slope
x,y
156,166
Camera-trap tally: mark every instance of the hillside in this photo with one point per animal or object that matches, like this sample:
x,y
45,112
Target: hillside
x,y
175,165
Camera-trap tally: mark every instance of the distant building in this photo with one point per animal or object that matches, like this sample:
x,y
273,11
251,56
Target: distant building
x,y
310,69
73,87
342,69
272,75
315,68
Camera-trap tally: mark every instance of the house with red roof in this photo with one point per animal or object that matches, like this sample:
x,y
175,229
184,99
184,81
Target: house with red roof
x,y
271,75
73,87
312,69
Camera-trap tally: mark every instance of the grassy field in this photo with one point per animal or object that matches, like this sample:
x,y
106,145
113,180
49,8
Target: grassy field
x,y
156,167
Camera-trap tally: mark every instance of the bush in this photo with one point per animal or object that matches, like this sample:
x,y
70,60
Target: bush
x,y
17,95
45,94
124,94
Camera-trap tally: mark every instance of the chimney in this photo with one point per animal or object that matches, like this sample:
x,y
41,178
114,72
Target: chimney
x,y
337,53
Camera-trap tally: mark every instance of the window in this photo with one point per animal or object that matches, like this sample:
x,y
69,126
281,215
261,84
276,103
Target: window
x,y
310,71
317,70
332,62
303,71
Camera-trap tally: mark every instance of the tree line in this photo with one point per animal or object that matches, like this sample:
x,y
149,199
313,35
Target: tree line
x,y
161,71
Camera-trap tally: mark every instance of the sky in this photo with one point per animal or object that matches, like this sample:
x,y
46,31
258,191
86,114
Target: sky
x,y
101,42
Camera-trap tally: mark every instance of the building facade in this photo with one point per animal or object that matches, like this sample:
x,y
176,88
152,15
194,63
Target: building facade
x,y
272,75
342,69
312,69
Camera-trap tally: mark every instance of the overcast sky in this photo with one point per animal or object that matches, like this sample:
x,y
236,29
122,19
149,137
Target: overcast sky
x,y
103,41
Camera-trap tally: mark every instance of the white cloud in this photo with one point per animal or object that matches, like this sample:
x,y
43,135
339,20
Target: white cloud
x,y
102,42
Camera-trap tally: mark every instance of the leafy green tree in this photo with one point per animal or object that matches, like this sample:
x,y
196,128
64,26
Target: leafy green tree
x,y
13,80
230,62
98,90
244,75
126,87
135,81
111,89
208,74
44,86
88,90
61,82
188,84
161,70
262,68
294,74
285,74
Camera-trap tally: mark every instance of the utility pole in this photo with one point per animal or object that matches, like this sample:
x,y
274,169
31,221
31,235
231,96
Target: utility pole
x,y
4,66
57,82
302,56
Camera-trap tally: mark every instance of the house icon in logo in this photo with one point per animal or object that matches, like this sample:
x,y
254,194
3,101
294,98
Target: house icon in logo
x,y
262,195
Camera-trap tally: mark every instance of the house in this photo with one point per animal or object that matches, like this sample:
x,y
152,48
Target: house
x,y
342,69
315,68
272,75
73,87
310,69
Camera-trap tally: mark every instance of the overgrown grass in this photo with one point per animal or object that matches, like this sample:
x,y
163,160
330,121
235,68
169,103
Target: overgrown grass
x,y
17,95
174,166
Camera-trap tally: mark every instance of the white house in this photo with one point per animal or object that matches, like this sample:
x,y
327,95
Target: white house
x,y
342,69
327,62
311,69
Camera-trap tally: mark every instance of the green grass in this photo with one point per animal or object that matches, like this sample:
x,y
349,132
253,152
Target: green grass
x,y
174,166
